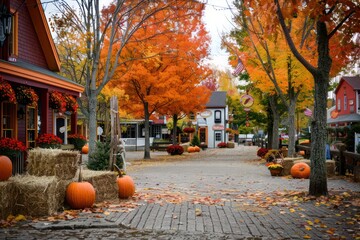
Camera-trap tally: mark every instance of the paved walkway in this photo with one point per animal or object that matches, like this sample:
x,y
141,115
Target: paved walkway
x,y
215,194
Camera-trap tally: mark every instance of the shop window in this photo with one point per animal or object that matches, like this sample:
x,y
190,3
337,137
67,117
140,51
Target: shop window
x,y
8,123
31,126
13,38
218,137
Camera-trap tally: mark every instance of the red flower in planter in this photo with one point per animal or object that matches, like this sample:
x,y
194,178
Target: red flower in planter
x,y
48,140
11,147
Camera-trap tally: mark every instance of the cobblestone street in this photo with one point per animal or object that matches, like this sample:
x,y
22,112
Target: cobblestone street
x,y
214,194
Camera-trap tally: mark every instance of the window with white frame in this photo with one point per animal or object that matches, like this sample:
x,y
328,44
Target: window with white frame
x,y
217,116
338,104
345,102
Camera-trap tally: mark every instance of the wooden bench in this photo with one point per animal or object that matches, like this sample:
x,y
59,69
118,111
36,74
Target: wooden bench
x,y
160,146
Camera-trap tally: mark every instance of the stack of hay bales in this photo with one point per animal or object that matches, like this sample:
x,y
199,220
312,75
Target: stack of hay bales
x,y
41,192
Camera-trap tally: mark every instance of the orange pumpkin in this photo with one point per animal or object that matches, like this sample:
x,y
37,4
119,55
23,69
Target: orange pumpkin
x,y
125,184
191,149
85,149
302,153
80,195
5,168
300,170
197,149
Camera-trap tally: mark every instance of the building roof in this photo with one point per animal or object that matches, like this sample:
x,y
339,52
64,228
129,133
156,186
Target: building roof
x,y
38,74
42,29
344,118
217,100
354,82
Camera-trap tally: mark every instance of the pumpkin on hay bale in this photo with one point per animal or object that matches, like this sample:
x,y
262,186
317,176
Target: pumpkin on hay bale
x,y
300,170
80,195
53,162
125,184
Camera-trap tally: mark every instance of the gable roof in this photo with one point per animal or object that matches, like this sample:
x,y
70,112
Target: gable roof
x,y
354,82
42,29
217,100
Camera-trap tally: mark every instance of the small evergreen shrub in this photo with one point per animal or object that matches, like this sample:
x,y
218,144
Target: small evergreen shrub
x,y
99,160
175,149
195,141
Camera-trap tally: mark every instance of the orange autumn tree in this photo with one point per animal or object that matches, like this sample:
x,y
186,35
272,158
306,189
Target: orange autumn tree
x,y
331,27
167,70
273,68
104,36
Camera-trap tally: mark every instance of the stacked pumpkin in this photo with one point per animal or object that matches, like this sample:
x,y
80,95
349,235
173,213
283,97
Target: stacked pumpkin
x,y
192,149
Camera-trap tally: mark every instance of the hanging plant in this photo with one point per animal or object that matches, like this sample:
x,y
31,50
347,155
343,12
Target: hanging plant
x,y
57,102
26,96
189,130
71,104
6,92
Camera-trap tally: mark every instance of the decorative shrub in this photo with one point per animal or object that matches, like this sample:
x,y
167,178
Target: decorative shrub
x,y
57,102
6,92
99,160
48,140
78,140
262,152
195,141
222,145
189,130
11,147
175,149
26,96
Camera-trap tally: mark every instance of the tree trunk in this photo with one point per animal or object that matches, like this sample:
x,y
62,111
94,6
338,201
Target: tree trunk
x,y
292,127
147,131
92,122
276,122
175,121
318,181
269,126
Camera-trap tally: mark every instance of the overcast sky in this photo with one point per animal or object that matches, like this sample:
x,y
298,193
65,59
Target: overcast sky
x,y
217,18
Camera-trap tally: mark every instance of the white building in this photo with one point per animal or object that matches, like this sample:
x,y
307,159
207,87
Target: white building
x,y
213,121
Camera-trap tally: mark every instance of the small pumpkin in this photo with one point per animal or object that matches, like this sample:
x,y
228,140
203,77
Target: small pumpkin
x,y
80,194
5,168
197,149
300,170
191,149
85,149
125,184
302,153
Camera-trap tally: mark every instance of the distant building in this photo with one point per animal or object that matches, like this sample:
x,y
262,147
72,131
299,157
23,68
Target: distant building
x,y
213,121
347,103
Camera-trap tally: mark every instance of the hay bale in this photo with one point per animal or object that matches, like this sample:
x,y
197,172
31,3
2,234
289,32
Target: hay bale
x,y
8,193
53,162
104,183
329,164
39,196
287,164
